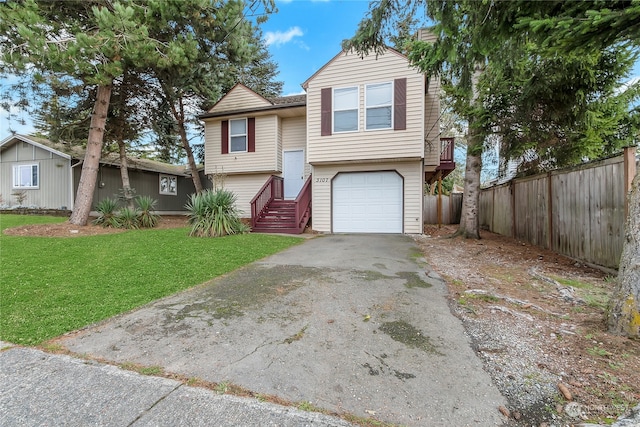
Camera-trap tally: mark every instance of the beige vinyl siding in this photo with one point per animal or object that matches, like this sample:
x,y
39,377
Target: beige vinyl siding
x,y
350,70
432,123
54,188
245,187
239,98
410,171
278,151
294,137
262,160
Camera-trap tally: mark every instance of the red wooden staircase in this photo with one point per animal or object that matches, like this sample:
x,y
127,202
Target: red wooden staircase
x,y
270,213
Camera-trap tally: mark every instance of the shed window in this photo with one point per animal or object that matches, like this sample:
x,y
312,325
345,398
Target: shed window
x,y
26,176
379,106
169,185
345,109
238,136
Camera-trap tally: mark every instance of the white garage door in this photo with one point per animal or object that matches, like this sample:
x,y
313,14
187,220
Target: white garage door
x,y
367,202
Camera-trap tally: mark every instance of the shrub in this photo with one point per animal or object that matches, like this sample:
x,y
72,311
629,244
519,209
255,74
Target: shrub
x,y
128,218
146,206
108,216
213,214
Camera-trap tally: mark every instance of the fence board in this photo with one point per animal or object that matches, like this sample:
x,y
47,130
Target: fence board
x,y
451,207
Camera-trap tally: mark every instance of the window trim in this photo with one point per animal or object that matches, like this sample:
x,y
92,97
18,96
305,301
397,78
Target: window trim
x,y
16,174
334,110
169,178
245,134
391,105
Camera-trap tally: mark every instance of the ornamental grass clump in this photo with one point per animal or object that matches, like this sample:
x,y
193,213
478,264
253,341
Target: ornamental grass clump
x,y
111,215
107,213
146,206
128,218
214,214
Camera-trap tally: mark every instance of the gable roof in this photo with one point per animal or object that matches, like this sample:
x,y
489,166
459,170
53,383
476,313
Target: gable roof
x,y
75,152
279,103
36,141
305,85
239,87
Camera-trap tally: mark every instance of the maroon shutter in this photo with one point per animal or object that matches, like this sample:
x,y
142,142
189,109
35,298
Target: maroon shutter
x,y
400,104
224,137
251,134
325,111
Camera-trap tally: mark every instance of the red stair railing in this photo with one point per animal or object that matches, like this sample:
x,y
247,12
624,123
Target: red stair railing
x,y
270,191
303,205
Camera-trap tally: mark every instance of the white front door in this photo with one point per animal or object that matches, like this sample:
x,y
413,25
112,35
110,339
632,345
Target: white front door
x,y
293,171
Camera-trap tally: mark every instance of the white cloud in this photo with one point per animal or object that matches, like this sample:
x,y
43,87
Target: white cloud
x,y
278,38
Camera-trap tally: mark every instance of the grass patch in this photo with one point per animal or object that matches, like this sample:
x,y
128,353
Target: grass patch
x,y
467,298
594,296
55,285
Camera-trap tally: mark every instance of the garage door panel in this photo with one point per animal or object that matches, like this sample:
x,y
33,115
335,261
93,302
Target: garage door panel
x,y
367,202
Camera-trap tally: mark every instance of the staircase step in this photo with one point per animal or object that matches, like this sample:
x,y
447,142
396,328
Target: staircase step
x,y
278,217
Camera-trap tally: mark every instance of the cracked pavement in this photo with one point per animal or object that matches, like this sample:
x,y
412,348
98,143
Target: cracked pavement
x,y
350,323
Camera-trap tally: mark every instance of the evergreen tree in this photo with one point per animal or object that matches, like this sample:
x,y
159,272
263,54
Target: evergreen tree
x,y
179,43
490,34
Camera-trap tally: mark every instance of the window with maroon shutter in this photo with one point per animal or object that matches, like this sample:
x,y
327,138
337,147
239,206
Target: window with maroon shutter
x,y
224,137
400,104
378,106
238,135
325,111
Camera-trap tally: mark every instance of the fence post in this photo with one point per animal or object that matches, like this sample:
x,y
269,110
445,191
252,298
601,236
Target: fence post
x,y
549,212
629,174
512,188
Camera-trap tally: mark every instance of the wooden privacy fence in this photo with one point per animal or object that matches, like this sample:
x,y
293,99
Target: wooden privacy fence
x,y
578,212
449,210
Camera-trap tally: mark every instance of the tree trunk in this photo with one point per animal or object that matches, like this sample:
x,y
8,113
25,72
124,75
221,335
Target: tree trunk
x,y
624,308
127,191
91,164
179,116
469,219
195,176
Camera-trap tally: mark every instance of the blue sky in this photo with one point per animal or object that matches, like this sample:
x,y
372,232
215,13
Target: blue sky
x,y
302,36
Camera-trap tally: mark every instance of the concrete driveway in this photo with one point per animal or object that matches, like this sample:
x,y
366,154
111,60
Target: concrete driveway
x,y
349,323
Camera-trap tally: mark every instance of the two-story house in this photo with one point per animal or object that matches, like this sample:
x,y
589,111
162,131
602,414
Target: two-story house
x,y
353,152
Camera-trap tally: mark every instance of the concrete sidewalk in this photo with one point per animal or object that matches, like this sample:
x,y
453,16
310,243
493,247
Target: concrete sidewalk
x,y
354,324
41,389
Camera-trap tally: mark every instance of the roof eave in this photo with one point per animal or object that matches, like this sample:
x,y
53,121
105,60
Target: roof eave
x,y
252,110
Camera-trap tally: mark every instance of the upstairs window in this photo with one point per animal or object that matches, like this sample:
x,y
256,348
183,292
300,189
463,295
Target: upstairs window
x,y
26,176
345,109
379,106
238,136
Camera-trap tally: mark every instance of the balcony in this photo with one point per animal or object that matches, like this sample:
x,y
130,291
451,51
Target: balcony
x,y
447,163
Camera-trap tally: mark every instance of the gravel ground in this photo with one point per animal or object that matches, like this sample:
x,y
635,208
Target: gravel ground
x,y
536,320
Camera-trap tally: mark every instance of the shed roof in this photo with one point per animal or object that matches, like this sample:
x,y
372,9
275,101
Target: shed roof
x,y
76,152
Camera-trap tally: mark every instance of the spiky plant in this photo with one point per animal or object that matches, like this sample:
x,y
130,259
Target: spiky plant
x,y
146,206
128,218
214,214
107,215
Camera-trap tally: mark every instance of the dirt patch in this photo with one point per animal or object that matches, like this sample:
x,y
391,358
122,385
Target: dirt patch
x,y
537,319
66,229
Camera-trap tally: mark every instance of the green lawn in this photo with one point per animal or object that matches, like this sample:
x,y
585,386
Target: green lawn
x,y
49,286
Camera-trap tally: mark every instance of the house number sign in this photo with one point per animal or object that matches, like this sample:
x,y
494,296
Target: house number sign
x,y
322,179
